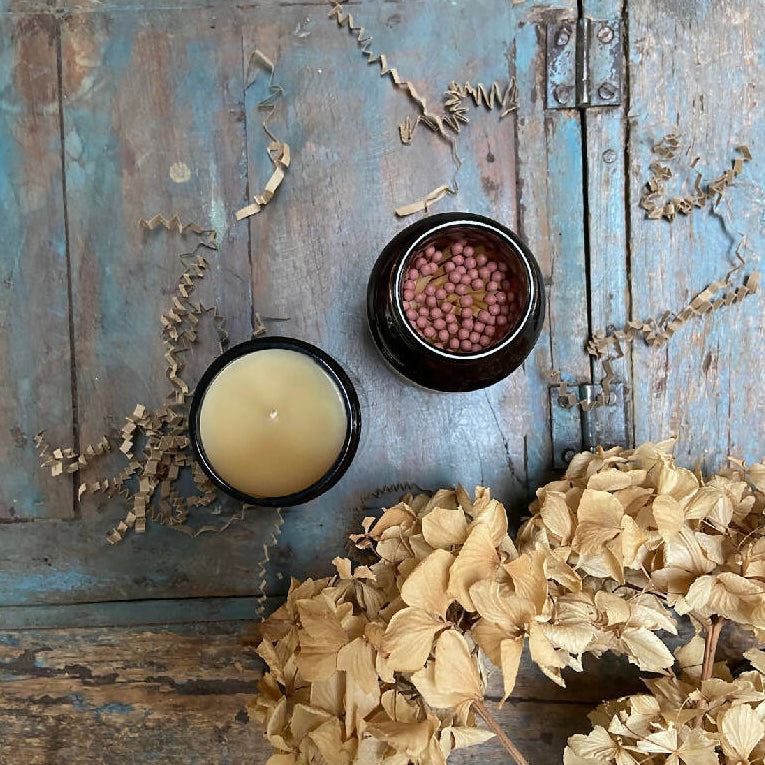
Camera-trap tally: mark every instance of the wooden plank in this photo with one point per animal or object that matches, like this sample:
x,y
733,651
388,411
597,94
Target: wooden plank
x,y
153,123
551,207
185,689
111,693
138,102
607,221
348,174
695,68
113,108
35,388
25,7
102,691
59,562
135,612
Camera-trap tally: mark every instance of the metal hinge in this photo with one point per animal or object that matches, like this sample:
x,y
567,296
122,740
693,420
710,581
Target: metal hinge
x,y
576,429
584,63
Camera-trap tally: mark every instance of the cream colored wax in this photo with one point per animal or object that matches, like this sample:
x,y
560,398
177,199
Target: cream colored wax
x,y
272,422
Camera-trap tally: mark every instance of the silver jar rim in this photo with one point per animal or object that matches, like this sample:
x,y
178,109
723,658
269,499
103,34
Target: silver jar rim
x,y
399,279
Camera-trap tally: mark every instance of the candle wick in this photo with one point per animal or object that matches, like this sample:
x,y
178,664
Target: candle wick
x,y
273,414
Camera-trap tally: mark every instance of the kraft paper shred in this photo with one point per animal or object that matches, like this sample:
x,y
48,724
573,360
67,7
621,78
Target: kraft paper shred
x,y
149,480
278,151
446,124
609,346
654,199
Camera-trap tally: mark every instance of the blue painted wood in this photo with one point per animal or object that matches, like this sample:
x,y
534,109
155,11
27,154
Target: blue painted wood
x,y
609,285
145,90
152,123
349,172
179,695
695,68
548,145
34,318
58,562
138,102
142,93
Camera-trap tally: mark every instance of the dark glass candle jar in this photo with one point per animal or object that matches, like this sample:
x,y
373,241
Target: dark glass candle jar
x,y
455,302
275,422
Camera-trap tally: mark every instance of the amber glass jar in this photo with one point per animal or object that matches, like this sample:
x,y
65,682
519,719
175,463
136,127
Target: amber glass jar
x,y
335,375
455,302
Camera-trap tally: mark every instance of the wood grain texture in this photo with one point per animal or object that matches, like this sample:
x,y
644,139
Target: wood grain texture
x,y
185,689
150,85
136,612
349,172
606,224
35,389
152,123
179,695
140,113
697,69
58,562
550,215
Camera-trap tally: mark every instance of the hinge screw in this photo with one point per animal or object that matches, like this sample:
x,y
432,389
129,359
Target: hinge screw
x,y
607,91
563,36
605,34
562,93
568,455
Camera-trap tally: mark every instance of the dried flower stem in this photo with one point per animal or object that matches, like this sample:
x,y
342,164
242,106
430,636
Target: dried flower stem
x,y
710,646
483,712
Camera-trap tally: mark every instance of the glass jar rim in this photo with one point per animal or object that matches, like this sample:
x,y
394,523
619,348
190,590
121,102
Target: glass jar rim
x,y
341,381
510,239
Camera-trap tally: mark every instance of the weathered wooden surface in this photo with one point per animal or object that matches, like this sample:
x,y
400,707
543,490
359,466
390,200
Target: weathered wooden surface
x,y
153,122
34,304
111,110
180,696
696,68
155,117
312,265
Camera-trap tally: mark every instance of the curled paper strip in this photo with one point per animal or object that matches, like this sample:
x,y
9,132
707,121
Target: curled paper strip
x,y
424,203
654,200
278,151
657,333
67,461
149,480
569,399
365,41
443,124
176,224
609,346
403,490
262,565
494,98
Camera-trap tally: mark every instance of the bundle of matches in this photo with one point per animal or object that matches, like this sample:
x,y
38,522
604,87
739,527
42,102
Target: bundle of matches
x,y
462,298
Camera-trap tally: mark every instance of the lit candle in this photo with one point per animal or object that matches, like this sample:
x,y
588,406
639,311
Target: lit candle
x,y
275,418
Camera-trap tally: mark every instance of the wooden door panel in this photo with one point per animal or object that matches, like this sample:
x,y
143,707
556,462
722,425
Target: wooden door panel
x,y
35,375
697,69
156,118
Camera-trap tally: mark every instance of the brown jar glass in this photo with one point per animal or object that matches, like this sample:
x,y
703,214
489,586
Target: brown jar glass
x,y
455,302
335,376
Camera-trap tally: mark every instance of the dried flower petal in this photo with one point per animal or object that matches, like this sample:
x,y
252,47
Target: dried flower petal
x,y
477,560
451,679
426,587
409,638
